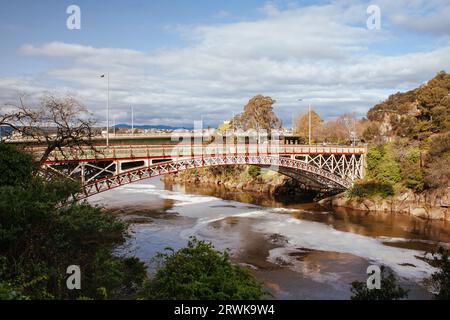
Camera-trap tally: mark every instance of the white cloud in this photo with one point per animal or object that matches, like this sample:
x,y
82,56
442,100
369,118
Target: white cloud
x,y
319,53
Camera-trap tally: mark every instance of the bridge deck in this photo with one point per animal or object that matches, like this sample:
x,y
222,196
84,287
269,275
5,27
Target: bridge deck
x,y
182,151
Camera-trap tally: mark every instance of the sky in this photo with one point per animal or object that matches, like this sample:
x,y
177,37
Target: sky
x,y
179,61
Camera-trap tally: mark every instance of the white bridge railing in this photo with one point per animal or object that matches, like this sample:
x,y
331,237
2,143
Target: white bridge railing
x,y
188,151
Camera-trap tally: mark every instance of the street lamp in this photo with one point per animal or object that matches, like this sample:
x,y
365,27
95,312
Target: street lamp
x,y
132,121
309,122
107,107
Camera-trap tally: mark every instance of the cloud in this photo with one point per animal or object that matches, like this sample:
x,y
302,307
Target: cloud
x,y
320,53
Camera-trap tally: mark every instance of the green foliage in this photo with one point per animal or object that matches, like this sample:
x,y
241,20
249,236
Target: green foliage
x,y
200,272
7,292
389,290
441,279
16,167
254,171
371,189
372,132
382,166
419,113
437,170
258,114
42,232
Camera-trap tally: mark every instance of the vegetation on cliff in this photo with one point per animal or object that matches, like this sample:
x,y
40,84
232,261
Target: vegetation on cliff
x,y
409,137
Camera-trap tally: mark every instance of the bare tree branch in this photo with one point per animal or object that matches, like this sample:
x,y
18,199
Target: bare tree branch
x,y
60,124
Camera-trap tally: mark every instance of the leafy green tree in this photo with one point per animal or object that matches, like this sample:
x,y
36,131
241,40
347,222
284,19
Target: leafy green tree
x,y
382,166
16,167
42,232
258,114
441,278
389,290
200,272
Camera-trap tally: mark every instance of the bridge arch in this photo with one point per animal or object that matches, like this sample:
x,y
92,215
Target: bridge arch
x,y
317,177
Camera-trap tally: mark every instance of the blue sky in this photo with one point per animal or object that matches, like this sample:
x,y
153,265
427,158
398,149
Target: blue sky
x,y
178,61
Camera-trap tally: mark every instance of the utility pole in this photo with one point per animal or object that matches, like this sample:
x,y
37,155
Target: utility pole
x,y
309,121
132,121
107,107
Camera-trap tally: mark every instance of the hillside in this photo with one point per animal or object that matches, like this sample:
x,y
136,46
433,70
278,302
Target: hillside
x,y
408,164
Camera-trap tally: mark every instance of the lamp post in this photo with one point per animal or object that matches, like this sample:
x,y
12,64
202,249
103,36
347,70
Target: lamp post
x,y
132,121
107,107
309,122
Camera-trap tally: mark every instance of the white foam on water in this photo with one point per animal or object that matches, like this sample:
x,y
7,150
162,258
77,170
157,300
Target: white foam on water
x,y
311,270
205,221
317,236
394,240
186,199
285,210
181,199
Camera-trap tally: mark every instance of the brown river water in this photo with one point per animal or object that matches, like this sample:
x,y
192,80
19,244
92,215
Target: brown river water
x,y
298,250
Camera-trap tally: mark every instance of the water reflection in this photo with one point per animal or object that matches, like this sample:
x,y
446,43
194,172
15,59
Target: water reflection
x,y
421,234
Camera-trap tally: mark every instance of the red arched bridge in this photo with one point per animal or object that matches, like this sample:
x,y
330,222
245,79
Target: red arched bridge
x,y
322,168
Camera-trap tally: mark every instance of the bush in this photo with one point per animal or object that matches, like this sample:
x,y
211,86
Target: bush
x,y
254,171
382,166
15,167
440,280
389,290
371,189
42,232
200,272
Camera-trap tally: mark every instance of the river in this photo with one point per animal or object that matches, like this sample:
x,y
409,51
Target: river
x,y
298,250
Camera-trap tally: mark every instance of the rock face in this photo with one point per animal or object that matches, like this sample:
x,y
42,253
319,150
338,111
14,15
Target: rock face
x,y
428,205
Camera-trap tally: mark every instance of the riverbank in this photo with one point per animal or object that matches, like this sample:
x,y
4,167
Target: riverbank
x,y
432,205
242,178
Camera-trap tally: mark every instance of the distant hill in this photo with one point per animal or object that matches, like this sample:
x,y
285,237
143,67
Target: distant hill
x,y
161,127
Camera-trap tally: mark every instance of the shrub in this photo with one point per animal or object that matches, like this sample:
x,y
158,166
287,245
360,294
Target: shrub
x,y
42,232
382,166
200,272
371,189
441,279
389,289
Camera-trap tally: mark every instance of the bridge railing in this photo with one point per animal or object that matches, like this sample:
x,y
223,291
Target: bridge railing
x,y
187,151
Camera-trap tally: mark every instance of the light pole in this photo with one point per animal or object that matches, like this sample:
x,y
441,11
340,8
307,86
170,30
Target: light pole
x,y
107,107
309,122
132,121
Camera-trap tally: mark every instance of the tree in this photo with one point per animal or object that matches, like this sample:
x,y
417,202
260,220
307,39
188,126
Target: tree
x,y
58,123
381,165
416,114
200,272
42,232
389,290
258,115
372,131
437,170
348,122
16,167
302,125
440,280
